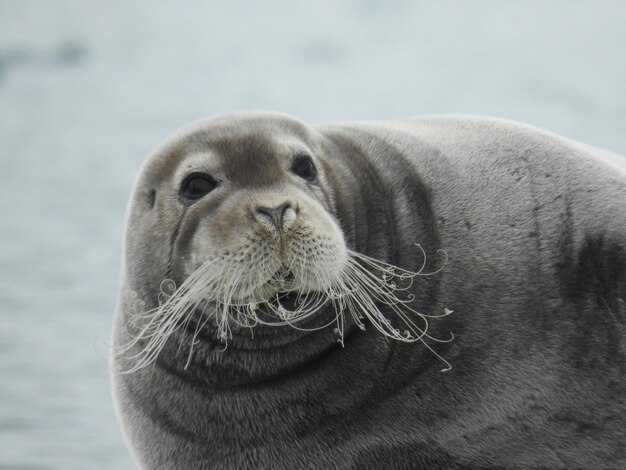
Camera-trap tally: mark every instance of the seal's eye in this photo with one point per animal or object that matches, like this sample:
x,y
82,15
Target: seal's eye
x,y
304,167
197,185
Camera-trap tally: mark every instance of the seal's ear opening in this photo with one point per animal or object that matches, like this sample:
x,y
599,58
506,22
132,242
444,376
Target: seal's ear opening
x,y
304,167
151,198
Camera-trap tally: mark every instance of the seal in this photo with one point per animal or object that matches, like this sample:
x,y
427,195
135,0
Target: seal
x,y
433,292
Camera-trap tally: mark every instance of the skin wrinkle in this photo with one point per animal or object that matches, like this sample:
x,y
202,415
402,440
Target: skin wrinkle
x,y
419,199
346,214
199,376
373,186
196,212
537,377
358,159
388,212
175,236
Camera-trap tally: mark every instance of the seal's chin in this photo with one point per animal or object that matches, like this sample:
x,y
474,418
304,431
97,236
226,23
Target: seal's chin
x,y
289,300
282,288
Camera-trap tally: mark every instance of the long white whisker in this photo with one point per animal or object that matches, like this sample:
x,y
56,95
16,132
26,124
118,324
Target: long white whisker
x,y
230,293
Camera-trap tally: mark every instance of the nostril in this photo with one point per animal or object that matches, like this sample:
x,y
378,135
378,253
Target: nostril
x,y
274,214
283,208
266,211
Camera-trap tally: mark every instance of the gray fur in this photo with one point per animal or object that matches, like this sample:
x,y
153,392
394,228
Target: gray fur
x,y
535,229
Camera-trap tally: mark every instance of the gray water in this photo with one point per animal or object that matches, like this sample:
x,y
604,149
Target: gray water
x,y
87,89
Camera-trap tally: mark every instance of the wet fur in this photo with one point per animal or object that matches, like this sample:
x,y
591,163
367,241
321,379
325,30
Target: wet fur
x,y
535,230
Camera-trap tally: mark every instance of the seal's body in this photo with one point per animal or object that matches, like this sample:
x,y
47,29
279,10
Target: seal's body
x,y
534,226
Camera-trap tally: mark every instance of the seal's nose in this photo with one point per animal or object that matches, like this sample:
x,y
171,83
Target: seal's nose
x,y
279,217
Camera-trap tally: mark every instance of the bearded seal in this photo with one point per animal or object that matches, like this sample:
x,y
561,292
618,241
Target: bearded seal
x,y
240,225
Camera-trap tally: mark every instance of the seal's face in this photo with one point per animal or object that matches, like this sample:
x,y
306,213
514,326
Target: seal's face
x,y
240,226
256,213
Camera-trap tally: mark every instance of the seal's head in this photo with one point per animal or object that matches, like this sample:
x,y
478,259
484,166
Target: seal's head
x,y
234,223
255,220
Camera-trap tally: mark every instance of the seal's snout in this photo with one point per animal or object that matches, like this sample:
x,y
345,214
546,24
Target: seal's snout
x,y
278,218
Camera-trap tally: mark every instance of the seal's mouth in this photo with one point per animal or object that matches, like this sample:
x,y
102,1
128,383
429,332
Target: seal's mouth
x,y
287,292
283,285
283,275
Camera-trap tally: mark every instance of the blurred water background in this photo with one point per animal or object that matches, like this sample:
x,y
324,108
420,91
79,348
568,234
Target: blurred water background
x,y
87,89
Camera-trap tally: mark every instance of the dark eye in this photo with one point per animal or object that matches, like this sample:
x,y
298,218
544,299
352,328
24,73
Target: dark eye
x,y
304,167
197,185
